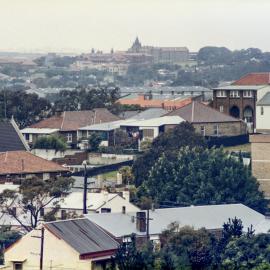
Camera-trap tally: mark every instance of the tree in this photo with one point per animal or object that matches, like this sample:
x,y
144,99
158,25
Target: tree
x,y
94,141
196,175
33,196
168,144
127,176
51,142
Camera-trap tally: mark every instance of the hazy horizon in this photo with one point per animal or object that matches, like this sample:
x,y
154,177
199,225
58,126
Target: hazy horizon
x,y
76,26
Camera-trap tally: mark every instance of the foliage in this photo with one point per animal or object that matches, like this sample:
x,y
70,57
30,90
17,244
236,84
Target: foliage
x,y
168,143
127,176
202,176
33,196
25,108
51,142
94,141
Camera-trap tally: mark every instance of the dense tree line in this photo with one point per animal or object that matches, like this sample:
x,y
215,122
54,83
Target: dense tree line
x,y
188,249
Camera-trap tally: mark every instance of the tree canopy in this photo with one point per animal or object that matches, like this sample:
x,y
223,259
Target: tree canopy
x,y
197,175
51,142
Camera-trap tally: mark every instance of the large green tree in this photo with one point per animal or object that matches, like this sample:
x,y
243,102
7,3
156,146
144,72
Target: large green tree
x,y
166,144
198,175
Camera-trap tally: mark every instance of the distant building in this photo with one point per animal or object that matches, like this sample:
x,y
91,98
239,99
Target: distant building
x,y
240,98
166,55
18,165
210,122
67,123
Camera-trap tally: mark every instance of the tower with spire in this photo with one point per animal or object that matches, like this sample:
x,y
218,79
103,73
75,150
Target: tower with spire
x,y
136,46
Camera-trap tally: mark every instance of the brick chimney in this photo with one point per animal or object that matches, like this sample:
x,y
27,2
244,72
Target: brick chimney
x,y
141,221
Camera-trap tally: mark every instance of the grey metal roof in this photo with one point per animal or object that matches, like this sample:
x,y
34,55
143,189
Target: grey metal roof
x,y
209,217
265,100
10,137
82,235
149,113
240,87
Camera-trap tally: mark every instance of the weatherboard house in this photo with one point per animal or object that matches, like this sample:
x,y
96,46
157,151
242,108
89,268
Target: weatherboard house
x,y
71,244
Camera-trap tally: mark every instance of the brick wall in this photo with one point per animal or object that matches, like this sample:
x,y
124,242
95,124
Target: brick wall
x,y
260,154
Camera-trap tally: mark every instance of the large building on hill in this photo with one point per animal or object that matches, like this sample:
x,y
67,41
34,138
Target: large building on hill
x,y
167,55
241,99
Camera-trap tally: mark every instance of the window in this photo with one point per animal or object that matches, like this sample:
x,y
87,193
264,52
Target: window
x,y
221,93
234,94
17,266
106,210
248,94
26,136
63,214
262,111
69,137
203,130
221,108
148,133
216,130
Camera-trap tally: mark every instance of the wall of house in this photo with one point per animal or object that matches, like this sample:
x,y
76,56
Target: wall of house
x,y
56,253
263,120
261,92
50,154
18,177
224,129
260,158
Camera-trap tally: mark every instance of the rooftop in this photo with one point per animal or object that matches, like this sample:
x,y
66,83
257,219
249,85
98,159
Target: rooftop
x,y
11,138
197,112
39,130
22,162
262,78
82,235
265,100
210,217
72,120
240,87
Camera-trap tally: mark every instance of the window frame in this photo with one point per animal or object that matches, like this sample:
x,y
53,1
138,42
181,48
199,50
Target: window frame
x,y
221,94
202,130
69,137
250,95
216,130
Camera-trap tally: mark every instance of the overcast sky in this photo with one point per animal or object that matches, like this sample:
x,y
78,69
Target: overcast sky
x,y
79,25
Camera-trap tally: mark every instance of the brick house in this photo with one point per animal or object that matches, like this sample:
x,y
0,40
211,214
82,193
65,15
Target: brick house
x,y
18,165
210,122
239,99
68,123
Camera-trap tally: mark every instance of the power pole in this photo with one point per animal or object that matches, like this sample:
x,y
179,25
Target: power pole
x,y
147,225
85,190
41,247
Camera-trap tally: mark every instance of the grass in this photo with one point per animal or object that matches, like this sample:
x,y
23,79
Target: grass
x,y
243,148
110,175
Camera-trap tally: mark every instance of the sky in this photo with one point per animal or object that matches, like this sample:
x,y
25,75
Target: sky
x,y
79,25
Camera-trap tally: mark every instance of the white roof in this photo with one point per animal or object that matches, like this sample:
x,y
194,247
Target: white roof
x,y
39,130
209,216
9,186
106,126
240,87
74,200
156,122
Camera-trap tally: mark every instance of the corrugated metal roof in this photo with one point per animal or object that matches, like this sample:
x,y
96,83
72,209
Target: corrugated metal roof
x,y
265,100
82,235
208,216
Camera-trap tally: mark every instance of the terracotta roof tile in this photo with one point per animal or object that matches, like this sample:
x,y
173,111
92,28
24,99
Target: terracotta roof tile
x,y
22,162
72,120
262,78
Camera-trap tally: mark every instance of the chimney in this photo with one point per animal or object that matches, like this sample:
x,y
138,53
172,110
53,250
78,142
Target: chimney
x,y
126,195
141,221
123,210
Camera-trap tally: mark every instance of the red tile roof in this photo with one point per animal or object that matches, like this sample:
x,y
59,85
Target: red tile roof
x,y
262,78
72,120
22,162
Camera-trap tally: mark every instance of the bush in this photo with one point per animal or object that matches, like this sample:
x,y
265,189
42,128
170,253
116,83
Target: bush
x,y
51,142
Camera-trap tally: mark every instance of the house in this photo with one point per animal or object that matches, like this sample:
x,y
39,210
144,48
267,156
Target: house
x,y
68,122
32,134
71,244
210,122
11,138
166,101
260,161
263,114
102,202
240,98
18,165
211,217
149,129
